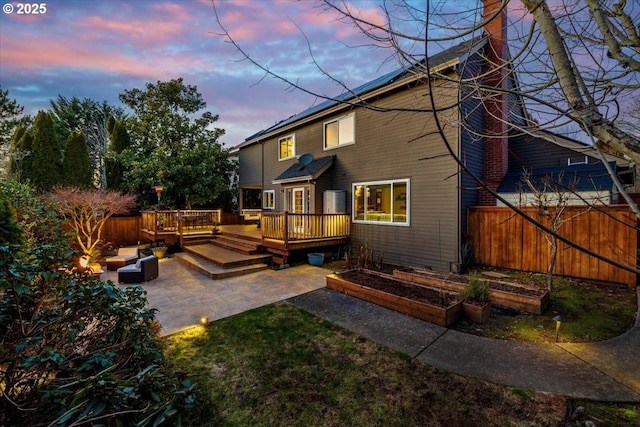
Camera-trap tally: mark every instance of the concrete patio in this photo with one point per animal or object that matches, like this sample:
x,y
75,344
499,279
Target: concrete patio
x,y
183,296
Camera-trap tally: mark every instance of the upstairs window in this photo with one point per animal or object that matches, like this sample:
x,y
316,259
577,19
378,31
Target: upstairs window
x,y
339,132
286,147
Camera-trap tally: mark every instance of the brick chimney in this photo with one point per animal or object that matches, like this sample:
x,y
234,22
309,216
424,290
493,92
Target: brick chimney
x,y
496,148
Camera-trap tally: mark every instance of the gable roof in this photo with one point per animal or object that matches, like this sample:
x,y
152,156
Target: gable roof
x,y
442,60
300,172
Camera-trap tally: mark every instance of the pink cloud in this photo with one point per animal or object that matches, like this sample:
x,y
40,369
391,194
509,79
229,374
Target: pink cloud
x,y
175,11
38,54
153,32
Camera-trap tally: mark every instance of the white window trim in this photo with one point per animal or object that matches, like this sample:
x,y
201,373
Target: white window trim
x,y
293,155
265,198
407,202
353,136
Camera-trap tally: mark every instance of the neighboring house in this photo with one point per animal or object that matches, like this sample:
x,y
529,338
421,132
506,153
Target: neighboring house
x,y
571,167
407,196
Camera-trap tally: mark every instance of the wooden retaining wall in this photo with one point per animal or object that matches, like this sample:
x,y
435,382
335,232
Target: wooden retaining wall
x,y
501,238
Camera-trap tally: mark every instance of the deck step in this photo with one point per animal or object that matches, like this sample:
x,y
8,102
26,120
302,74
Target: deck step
x,y
245,237
237,244
214,271
224,257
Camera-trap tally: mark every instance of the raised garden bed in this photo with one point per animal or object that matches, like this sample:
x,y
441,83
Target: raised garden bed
x,y
503,294
436,306
476,313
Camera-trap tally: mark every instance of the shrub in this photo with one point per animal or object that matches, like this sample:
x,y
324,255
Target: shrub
x,y
477,290
77,350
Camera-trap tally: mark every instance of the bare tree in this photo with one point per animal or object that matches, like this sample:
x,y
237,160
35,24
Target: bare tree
x,y
88,212
567,68
551,196
631,118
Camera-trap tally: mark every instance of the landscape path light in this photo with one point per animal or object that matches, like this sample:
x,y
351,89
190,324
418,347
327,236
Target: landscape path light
x,y
558,320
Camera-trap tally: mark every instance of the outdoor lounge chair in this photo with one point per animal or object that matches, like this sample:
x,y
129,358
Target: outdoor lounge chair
x,y
125,256
143,270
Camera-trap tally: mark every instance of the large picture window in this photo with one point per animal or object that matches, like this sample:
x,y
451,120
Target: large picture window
x,y
286,147
381,202
340,132
269,199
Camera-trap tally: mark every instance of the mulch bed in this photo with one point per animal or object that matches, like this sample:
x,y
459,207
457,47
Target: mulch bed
x,y
396,287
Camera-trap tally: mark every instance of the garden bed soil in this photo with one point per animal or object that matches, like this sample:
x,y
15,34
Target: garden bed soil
x,y
433,305
529,299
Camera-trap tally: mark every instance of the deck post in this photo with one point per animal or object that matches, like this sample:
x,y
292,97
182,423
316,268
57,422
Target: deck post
x,y
155,225
286,230
181,227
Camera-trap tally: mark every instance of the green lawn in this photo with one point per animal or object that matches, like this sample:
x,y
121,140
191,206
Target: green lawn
x,y
589,312
279,365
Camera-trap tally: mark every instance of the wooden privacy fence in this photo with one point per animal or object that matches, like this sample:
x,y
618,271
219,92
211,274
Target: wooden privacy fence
x,y
501,238
122,230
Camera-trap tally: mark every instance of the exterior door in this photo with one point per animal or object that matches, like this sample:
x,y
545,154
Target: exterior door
x,y
299,206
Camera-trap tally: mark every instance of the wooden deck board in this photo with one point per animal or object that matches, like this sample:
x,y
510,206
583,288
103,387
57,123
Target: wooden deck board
x,y
225,257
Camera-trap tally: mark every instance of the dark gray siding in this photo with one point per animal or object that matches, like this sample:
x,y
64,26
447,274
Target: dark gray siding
x,y
389,146
250,166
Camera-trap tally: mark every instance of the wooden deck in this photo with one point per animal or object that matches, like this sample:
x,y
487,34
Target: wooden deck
x,y
279,246
280,234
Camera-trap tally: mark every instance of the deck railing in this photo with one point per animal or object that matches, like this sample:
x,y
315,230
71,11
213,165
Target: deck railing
x,y
295,226
180,221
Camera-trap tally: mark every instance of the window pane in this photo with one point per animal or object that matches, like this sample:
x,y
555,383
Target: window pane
x,y
379,202
346,130
286,147
400,202
331,134
358,201
268,199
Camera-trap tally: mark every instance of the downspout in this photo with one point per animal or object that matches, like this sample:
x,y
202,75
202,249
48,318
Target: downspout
x,y
461,232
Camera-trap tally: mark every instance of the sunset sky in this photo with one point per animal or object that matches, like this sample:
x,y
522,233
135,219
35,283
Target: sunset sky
x,y
96,49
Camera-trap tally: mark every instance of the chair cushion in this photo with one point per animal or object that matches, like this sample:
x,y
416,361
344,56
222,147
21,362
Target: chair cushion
x,y
128,252
131,268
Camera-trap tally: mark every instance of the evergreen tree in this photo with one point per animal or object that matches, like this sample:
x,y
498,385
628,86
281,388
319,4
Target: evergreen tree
x,y
10,230
47,158
91,117
119,140
111,122
10,112
76,167
21,154
175,144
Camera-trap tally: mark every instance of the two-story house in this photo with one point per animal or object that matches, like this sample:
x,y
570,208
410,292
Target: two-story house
x,y
386,162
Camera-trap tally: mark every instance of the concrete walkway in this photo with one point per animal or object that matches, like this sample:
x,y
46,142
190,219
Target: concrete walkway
x,y
604,371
